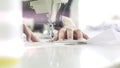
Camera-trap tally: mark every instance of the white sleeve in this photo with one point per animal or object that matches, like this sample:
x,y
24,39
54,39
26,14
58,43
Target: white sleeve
x,y
68,22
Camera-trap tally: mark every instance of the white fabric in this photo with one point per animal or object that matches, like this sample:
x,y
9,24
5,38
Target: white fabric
x,y
108,37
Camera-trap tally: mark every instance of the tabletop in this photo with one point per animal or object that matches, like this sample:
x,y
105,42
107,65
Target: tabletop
x,y
59,55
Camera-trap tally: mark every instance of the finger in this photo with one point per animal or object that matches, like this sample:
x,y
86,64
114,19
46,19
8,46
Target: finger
x,y
28,35
55,37
27,32
61,34
85,36
65,35
34,38
69,33
77,34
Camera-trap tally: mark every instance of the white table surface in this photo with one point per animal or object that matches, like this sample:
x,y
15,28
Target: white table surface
x,y
58,55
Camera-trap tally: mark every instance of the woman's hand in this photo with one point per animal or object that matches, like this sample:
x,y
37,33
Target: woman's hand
x,y
29,34
69,31
70,34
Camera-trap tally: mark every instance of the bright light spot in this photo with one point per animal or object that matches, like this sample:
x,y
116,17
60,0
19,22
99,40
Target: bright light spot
x,y
94,12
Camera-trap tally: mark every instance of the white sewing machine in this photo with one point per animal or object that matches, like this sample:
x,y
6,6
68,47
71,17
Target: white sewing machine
x,y
48,6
